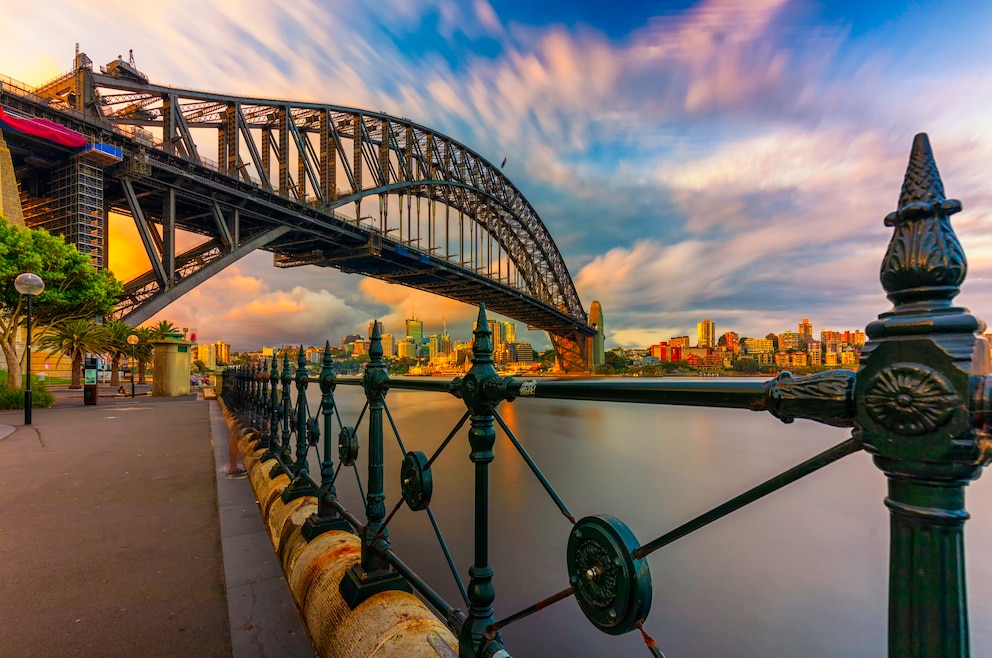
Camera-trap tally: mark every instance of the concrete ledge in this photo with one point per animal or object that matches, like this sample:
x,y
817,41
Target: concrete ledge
x,y
387,624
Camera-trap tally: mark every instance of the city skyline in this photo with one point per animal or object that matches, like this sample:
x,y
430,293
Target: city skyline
x,y
724,160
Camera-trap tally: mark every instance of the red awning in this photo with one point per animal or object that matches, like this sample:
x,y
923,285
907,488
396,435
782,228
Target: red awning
x,y
44,129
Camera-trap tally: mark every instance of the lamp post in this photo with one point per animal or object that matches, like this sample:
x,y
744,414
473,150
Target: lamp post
x,y
133,340
29,285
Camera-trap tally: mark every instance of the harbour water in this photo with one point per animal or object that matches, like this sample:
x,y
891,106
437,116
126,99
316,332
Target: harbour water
x,y
802,572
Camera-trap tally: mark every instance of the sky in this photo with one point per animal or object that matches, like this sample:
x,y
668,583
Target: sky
x,y
729,160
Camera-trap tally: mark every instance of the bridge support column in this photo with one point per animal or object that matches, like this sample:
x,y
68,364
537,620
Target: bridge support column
x,y
919,373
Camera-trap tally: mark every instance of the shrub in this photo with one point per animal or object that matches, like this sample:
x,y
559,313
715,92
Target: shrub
x,y
41,397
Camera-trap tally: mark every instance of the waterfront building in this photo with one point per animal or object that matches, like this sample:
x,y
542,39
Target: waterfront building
x,y
433,347
789,340
805,330
314,354
521,352
732,341
679,341
752,346
350,338
599,340
705,334
360,347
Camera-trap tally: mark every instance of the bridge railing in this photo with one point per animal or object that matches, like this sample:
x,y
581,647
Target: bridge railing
x,y
919,404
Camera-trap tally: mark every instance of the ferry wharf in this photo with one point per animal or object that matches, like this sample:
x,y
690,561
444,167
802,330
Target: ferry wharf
x,y
121,536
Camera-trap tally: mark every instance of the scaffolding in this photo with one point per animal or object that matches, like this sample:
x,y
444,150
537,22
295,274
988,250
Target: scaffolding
x,y
73,208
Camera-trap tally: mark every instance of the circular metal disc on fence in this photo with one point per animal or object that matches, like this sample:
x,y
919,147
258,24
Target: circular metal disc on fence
x,y
612,587
347,446
416,481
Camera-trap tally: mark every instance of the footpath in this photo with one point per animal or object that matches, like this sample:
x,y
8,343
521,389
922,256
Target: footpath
x,y
120,536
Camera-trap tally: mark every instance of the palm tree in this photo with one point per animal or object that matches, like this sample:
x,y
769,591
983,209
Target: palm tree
x,y
118,348
143,351
162,328
73,339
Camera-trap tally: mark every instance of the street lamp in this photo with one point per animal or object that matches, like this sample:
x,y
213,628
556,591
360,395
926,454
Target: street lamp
x,y
133,340
29,285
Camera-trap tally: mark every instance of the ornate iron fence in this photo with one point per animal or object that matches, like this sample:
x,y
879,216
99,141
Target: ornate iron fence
x,y
918,404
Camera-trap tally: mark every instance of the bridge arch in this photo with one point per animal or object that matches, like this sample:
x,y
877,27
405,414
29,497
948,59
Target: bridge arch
x,y
325,159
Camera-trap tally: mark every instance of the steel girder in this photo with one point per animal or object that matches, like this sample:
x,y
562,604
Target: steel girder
x,y
388,155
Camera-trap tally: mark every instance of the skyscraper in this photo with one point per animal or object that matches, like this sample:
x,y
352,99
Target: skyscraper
x,y
415,330
599,340
510,332
806,330
705,334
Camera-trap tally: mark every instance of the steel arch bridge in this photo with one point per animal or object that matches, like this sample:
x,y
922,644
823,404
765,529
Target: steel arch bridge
x,y
426,211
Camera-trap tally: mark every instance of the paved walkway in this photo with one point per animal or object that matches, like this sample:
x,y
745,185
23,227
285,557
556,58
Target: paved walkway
x,y
111,536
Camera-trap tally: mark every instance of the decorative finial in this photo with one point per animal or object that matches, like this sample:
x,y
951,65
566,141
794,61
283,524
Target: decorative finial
x,y
924,262
482,347
375,344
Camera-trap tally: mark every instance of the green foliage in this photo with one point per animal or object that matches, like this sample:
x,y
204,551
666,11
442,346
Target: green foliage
x,y
747,365
13,398
200,366
74,289
73,339
163,329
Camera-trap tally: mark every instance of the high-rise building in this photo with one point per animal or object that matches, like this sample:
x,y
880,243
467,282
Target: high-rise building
x,y
223,352
732,340
806,330
405,349
679,341
523,352
434,347
415,331
789,340
705,334
510,332
599,340
388,349
496,329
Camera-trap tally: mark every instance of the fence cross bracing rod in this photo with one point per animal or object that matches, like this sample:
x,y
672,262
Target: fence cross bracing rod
x,y
534,469
771,485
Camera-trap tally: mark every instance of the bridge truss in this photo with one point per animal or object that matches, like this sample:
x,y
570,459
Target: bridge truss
x,y
425,211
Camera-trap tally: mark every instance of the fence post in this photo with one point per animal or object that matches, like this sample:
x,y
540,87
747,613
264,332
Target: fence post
x,y
285,453
272,443
374,574
301,485
481,389
915,386
326,517
263,405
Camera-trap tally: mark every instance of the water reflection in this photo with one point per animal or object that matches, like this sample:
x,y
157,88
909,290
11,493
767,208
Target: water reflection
x,y
803,572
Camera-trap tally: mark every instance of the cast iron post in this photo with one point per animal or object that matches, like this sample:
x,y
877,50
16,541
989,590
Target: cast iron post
x,y
301,485
272,447
286,455
482,389
327,517
913,392
263,408
373,574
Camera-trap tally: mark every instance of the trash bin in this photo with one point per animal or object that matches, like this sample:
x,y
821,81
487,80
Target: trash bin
x,y
90,392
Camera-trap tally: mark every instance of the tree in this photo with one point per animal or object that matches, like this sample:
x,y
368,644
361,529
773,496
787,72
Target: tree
x,y
747,365
201,367
163,329
143,351
74,338
774,338
118,348
74,289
